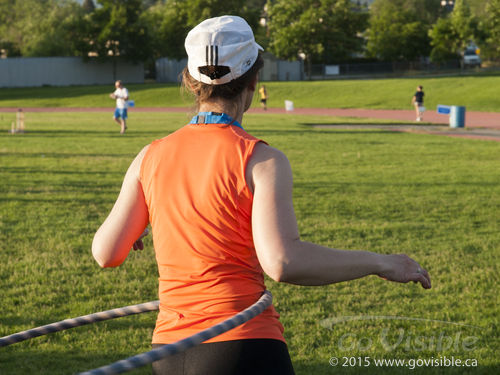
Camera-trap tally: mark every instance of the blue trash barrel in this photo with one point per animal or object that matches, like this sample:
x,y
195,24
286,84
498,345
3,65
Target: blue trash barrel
x,y
443,109
457,116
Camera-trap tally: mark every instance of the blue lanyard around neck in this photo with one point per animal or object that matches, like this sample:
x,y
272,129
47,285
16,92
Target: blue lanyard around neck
x,y
214,118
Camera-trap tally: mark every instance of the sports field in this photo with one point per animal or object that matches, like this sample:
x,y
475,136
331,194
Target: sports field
x,y
434,198
476,92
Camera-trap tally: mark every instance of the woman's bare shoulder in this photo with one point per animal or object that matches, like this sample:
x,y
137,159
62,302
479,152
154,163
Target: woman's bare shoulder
x,y
266,164
265,153
135,166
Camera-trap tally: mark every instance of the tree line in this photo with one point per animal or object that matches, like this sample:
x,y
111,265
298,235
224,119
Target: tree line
x,y
318,31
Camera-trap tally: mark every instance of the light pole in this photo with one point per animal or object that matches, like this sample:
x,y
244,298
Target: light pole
x,y
447,5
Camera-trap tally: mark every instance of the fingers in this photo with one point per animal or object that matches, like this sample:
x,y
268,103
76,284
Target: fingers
x,y
404,269
426,274
422,276
427,278
138,245
145,233
418,273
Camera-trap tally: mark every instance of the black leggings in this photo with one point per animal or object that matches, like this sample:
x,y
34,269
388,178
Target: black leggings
x,y
242,357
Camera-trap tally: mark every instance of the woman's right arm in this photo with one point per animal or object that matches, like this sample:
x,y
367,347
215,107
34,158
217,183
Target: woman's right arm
x,y
285,257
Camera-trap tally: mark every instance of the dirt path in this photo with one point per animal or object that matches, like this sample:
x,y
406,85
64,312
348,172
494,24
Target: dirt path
x,y
472,119
478,125
484,134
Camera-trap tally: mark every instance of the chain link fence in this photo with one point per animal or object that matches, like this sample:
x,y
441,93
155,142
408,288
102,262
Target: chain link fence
x,y
383,69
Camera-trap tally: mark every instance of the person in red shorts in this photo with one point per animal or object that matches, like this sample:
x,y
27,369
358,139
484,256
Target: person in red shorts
x,y
219,202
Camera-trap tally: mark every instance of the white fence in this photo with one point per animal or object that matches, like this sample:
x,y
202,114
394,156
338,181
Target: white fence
x,y
65,71
168,70
281,70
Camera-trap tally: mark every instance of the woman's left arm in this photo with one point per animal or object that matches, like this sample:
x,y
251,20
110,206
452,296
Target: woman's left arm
x,y
126,221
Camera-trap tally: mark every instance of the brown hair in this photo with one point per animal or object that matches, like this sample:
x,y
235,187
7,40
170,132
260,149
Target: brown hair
x,y
228,91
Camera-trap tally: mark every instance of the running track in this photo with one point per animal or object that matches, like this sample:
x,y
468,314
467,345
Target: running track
x,y
473,120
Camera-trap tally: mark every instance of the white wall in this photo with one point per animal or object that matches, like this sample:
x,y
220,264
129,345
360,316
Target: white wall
x,y
168,70
64,71
280,70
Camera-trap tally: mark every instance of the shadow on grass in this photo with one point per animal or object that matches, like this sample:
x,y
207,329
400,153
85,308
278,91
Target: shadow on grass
x,y
65,133
349,186
57,92
48,171
306,128
32,357
120,323
39,361
374,125
71,201
31,132
311,130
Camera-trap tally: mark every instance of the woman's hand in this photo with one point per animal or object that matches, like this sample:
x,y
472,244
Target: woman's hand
x,y
402,269
139,245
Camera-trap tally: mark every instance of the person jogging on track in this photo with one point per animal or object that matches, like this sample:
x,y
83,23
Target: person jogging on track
x,y
220,205
121,96
263,97
418,102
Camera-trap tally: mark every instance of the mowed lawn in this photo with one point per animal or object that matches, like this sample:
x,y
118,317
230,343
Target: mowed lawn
x,y
435,198
477,92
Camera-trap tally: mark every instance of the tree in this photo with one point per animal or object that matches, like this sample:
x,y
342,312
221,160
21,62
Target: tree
x,y
464,24
491,30
320,30
170,22
150,3
427,11
114,31
452,34
88,6
479,8
37,27
7,45
443,40
398,30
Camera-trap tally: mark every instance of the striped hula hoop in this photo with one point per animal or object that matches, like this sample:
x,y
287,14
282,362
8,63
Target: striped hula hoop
x,y
80,321
156,354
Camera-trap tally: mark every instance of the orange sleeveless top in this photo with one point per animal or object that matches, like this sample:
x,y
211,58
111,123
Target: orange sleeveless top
x,y
200,209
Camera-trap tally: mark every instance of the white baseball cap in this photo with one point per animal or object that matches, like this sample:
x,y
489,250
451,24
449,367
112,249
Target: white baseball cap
x,y
221,49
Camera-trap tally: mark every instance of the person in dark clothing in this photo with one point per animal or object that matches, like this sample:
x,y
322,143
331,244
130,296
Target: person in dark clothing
x,y
418,102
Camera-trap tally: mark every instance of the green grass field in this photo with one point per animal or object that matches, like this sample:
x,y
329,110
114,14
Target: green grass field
x,y
477,93
435,198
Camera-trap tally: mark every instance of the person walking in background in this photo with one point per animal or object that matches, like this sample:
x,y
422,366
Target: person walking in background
x,y
121,96
418,102
263,97
219,201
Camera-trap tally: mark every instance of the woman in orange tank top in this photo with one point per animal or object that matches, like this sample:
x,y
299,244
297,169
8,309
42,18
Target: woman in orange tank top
x,y
220,205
